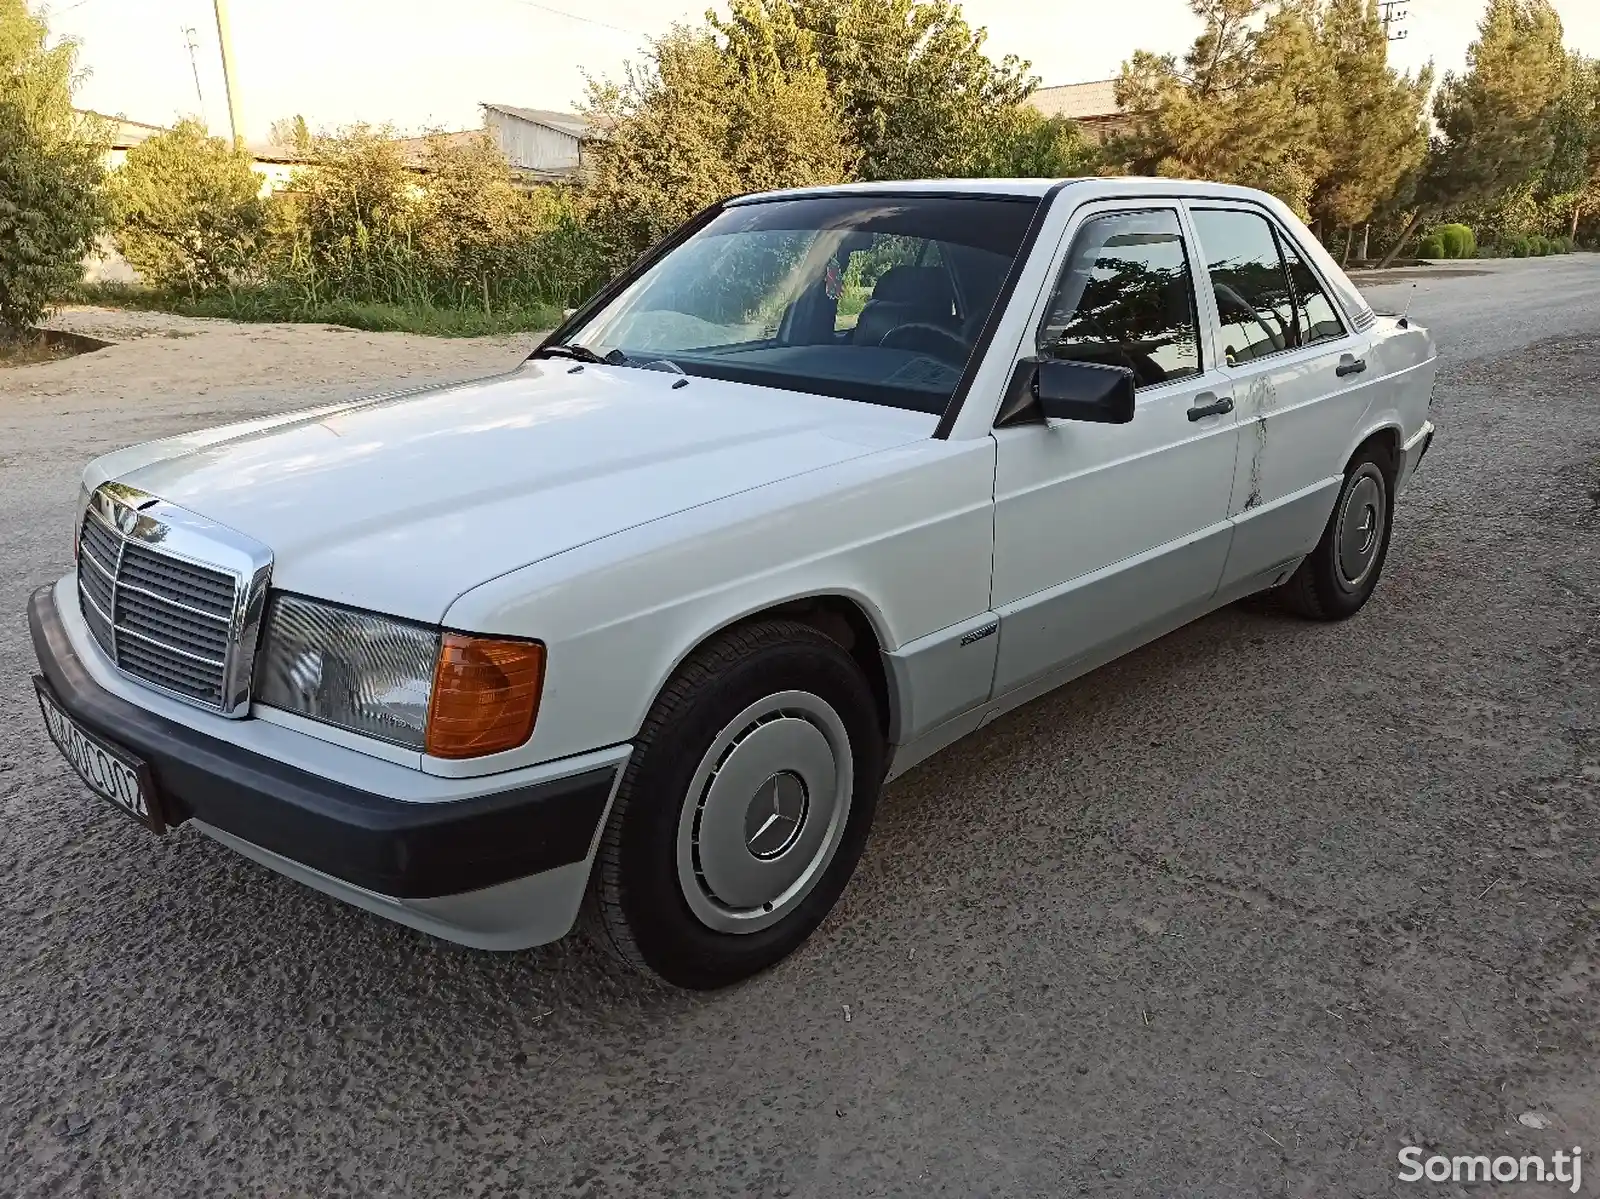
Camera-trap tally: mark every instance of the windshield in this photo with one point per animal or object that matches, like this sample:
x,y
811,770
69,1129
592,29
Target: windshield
x,y
872,298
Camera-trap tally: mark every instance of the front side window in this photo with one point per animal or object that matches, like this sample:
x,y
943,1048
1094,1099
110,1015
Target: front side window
x,y
1254,301
1126,298
870,297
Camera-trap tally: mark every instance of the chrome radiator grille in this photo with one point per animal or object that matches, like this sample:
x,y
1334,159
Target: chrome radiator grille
x,y
186,627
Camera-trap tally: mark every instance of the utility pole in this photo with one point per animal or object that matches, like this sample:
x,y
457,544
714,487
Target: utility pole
x,y
189,40
1392,12
229,82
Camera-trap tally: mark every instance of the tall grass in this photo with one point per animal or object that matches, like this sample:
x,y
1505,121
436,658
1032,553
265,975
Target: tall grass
x,y
361,239
260,304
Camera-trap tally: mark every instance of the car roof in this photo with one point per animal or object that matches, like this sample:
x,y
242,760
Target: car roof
x,y
1018,188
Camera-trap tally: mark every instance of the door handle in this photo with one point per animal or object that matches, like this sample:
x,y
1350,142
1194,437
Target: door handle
x,y
1215,408
1350,366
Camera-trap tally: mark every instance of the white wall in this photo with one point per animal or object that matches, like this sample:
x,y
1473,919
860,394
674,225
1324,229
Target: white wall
x,y
105,265
535,147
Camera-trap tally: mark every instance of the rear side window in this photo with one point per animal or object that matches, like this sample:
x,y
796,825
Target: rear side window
x,y
1318,319
1255,303
1126,298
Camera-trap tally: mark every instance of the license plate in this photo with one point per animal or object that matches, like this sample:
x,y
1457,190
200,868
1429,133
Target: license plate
x,y
111,773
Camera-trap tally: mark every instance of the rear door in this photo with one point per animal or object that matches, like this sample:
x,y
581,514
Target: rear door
x,y
1105,534
1299,385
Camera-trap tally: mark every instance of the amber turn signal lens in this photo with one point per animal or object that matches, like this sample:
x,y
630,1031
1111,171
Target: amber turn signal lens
x,y
485,695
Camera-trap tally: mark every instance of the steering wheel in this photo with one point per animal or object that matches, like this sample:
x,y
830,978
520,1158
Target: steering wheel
x,y
930,339
1232,301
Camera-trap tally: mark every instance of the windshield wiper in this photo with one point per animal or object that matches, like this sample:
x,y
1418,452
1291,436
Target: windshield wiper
x,y
571,350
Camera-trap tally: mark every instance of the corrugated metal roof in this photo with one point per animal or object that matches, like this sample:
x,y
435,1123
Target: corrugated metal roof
x,y
125,134
413,154
569,123
414,150
1078,101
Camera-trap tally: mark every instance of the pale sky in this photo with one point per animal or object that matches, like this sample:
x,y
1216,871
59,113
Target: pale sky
x,y
421,64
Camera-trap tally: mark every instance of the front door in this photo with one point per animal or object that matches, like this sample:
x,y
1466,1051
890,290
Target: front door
x,y
1108,534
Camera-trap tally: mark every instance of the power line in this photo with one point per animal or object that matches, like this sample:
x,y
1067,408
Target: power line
x,y
572,16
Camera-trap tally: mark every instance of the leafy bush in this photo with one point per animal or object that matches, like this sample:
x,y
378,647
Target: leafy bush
x,y
187,209
359,227
1458,240
51,208
1431,247
342,229
485,242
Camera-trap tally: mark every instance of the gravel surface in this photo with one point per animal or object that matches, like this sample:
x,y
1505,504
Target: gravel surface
x,y
1241,914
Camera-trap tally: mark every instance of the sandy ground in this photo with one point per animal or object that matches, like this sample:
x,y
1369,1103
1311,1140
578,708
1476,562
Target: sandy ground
x,y
1240,915
156,356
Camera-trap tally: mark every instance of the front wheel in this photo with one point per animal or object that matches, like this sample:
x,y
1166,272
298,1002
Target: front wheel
x,y
1339,576
744,808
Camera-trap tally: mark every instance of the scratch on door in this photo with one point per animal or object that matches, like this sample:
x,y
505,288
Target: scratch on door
x,y
1258,400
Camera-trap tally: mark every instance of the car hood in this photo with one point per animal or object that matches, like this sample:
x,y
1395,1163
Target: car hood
x,y
402,504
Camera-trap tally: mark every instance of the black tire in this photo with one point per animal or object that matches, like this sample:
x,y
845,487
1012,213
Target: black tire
x,y
1322,588
636,908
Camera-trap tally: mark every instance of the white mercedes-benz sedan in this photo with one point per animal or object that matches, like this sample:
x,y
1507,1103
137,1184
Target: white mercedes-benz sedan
x,y
637,631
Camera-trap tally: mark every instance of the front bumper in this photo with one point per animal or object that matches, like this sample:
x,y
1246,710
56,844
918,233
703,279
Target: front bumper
x,y
500,870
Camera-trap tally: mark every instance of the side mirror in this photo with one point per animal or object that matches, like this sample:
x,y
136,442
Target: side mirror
x,y
1058,389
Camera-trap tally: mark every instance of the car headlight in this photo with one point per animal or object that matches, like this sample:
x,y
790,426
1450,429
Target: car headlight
x,y
363,672
448,694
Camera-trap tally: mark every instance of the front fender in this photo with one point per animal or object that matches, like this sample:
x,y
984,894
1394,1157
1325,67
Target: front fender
x,y
906,535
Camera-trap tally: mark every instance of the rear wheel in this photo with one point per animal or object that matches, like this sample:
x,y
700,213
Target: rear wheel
x,y
1339,576
744,808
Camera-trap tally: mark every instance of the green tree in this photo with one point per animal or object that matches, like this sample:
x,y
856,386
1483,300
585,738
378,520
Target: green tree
x,y
1244,105
917,93
1572,177
187,209
1023,143
709,114
1372,118
51,170
1496,119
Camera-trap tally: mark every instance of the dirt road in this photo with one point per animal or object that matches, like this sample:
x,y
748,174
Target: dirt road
x,y
1242,914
